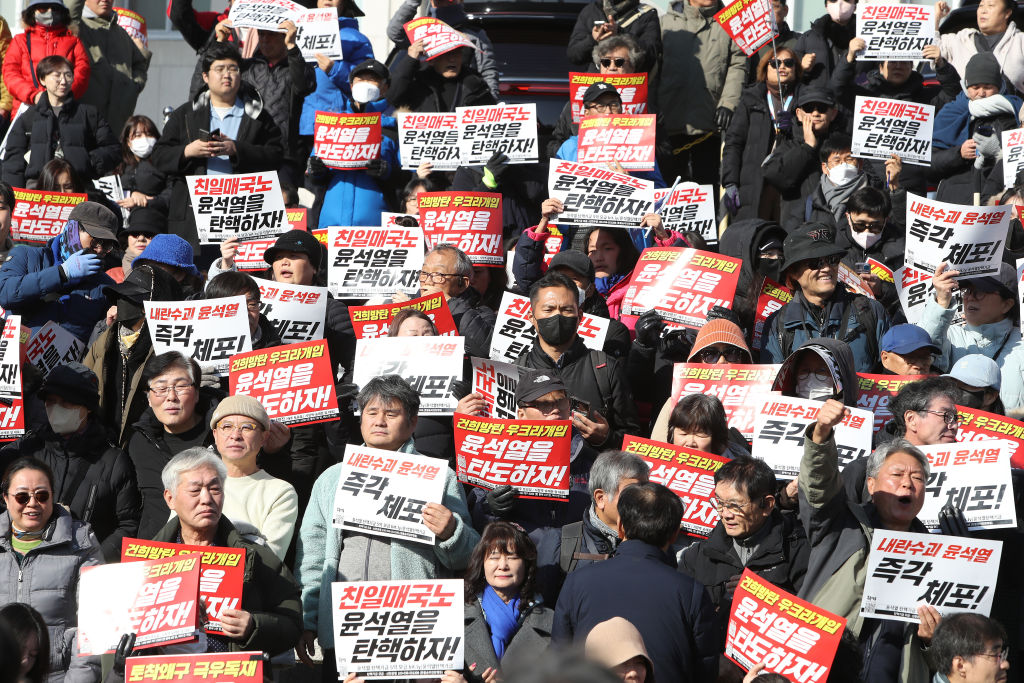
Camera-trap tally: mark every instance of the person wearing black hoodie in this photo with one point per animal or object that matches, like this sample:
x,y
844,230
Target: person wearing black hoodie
x,y
822,48
758,243
874,229
437,85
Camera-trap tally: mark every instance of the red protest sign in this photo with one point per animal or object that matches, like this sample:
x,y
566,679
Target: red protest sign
x,y
157,600
978,424
133,23
221,571
738,387
629,140
689,473
682,284
240,667
881,271
38,216
371,322
346,141
469,220
294,382
791,636
530,455
750,24
773,297
437,36
250,252
632,88
876,391
296,218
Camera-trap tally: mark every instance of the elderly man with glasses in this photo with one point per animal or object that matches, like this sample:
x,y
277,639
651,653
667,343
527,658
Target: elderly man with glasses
x,y
447,269
970,648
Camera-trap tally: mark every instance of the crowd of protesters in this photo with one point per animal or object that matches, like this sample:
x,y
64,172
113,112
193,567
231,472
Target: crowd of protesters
x,y
127,443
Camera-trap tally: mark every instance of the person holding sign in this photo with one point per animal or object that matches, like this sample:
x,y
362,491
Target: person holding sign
x,y
42,551
971,648
439,84
600,21
840,532
872,230
824,46
389,408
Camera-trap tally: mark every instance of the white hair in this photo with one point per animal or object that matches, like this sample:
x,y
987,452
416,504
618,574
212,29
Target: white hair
x,y
188,460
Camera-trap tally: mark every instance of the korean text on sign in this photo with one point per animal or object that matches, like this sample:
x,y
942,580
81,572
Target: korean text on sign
x,y
429,364
295,383
1013,155
895,32
38,216
469,220
632,89
237,206
398,629
690,207
682,284
134,24
52,345
791,636
346,141
626,139
877,391
773,296
530,455
221,572
383,493
318,33
12,409
297,312
240,667
263,14
509,129
976,425
373,322
513,332
428,137
739,388
914,287
974,477
884,127
950,573
209,330
496,382
374,261
437,36
689,473
593,195
750,23
969,238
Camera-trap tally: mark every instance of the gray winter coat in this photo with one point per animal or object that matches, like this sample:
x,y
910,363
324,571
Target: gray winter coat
x,y
527,644
47,579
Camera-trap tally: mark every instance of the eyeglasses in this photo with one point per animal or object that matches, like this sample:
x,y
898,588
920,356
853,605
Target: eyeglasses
x,y
969,291
229,69
436,278
874,227
41,496
823,261
101,247
63,76
614,108
788,62
1000,656
547,407
618,62
178,389
950,417
816,108
821,375
246,428
730,506
711,355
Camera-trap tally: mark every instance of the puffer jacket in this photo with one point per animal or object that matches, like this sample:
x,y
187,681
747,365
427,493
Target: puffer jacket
x,y
474,321
25,53
643,27
417,87
47,579
743,240
332,88
829,42
94,478
6,99
707,71
958,48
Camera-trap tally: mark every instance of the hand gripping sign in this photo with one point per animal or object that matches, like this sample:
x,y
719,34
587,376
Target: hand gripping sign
x,y
471,221
346,141
429,364
681,284
134,25
632,89
626,139
373,322
509,129
877,391
978,425
247,206
738,387
750,24
38,216
437,36
791,636
374,261
690,207
318,33
496,382
884,127
513,332
295,383
950,573
52,345
592,195
250,252
12,412
974,477
221,572
383,493
428,137
773,297
238,667
689,473
265,15
895,32
398,629
969,238
154,599
530,455
209,330
914,287
297,312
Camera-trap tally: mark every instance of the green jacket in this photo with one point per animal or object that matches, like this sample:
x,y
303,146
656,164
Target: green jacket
x,y
119,66
269,592
702,70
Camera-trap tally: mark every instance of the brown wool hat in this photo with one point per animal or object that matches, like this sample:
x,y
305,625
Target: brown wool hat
x,y
240,404
718,331
615,642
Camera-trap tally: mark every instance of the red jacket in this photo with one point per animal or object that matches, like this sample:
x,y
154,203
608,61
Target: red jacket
x,y
19,67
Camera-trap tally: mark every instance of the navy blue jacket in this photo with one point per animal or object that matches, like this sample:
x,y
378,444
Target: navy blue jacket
x,y
640,584
31,286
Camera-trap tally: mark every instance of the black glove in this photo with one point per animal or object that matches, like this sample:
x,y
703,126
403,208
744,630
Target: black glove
x,y
722,118
725,314
649,328
315,168
378,168
952,521
123,652
460,388
501,500
784,120
495,167
676,344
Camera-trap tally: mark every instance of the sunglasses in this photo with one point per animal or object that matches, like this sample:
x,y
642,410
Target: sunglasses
x,y
711,355
618,61
816,108
823,261
874,227
22,497
788,62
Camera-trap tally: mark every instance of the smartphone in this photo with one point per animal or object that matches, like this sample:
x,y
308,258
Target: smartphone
x,y
862,267
580,406
204,135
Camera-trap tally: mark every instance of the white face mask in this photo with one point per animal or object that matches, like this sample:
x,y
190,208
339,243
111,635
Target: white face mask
x,y
142,147
865,239
364,91
582,296
65,420
815,389
840,11
842,174
45,18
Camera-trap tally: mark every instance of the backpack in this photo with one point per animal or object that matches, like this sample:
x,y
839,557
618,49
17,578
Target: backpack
x,y
569,554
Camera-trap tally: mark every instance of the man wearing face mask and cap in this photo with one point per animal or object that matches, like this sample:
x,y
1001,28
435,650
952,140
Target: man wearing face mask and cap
x,y
821,48
603,408
93,478
872,228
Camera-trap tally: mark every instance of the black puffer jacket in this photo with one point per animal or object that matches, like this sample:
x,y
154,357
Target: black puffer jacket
x,y
474,321
829,42
795,171
780,557
82,134
416,86
92,477
889,250
645,29
742,240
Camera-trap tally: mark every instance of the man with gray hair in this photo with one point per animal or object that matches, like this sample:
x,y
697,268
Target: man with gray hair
x,y
388,413
447,269
970,648
595,538
269,617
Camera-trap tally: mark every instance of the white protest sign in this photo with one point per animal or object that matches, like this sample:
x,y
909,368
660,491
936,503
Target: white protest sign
x,y
690,208
429,364
1013,155
969,238
52,345
884,127
430,137
914,287
265,15
209,330
382,493
370,614
110,186
781,424
496,382
510,129
318,33
513,332
895,32
593,195
950,573
974,477
1020,288
10,358
374,261
248,206
298,312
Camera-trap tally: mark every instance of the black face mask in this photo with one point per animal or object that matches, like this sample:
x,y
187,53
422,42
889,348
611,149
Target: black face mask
x,y
558,329
770,268
129,312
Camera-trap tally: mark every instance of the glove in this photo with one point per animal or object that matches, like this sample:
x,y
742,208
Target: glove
x,y
123,652
989,150
316,169
784,120
210,378
377,168
952,522
501,500
81,265
676,343
730,585
649,328
460,389
731,199
724,313
494,169
722,118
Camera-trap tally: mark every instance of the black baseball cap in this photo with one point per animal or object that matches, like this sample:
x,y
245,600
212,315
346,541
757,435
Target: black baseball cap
x,y
372,66
815,95
574,260
536,383
598,89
